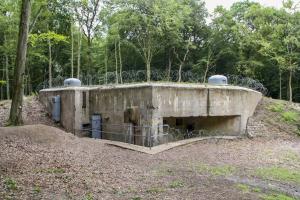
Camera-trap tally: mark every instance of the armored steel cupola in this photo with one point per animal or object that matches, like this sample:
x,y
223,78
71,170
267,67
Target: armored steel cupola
x,y
218,80
72,82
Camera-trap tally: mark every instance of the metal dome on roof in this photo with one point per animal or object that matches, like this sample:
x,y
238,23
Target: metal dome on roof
x,y
218,80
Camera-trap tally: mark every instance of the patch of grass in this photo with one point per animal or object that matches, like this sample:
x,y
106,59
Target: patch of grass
x,y
277,197
155,190
280,174
164,171
37,189
256,189
117,192
10,184
291,156
216,170
276,107
54,170
244,188
176,184
136,198
290,116
89,196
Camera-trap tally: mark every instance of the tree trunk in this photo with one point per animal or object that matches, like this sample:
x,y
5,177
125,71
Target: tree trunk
x,y
72,51
148,66
182,63
280,85
290,86
1,87
79,54
29,86
6,71
179,72
120,60
206,71
105,63
116,61
207,67
169,66
89,54
15,117
7,77
50,63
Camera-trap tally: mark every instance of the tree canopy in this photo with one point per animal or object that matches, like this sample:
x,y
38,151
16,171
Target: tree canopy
x,y
91,39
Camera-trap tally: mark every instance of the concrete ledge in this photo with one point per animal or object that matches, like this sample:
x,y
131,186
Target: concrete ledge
x,y
165,147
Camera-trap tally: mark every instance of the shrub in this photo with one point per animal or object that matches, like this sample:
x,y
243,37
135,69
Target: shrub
x,y
290,116
10,184
277,107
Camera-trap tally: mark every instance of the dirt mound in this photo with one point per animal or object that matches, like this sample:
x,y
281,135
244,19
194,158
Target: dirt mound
x,y
36,133
275,118
33,112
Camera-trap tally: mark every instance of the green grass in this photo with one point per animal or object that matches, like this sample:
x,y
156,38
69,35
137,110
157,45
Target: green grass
x,y
223,170
280,174
37,189
290,116
10,184
277,197
155,190
290,156
164,171
54,170
176,184
136,198
276,107
244,188
89,196
256,189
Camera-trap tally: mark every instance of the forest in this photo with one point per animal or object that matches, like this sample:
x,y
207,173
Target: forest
x,y
117,41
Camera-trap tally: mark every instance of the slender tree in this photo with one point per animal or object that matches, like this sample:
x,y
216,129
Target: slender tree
x,y
19,71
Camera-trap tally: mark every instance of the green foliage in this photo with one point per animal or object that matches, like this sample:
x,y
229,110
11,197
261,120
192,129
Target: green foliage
x,y
216,170
136,198
256,189
10,184
54,170
155,190
55,38
276,107
37,189
176,184
247,39
244,188
280,174
277,197
290,116
2,83
89,196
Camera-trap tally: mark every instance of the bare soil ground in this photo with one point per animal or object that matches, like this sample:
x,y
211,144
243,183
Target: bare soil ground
x,y
33,112
43,162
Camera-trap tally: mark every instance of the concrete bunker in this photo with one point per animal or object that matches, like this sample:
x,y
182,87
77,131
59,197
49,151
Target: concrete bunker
x,y
150,114
204,125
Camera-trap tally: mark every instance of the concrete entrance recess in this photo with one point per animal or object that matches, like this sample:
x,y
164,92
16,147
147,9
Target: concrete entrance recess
x,y
220,109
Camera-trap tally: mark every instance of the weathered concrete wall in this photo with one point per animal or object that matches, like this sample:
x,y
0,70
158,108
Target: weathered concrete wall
x,y
228,102
231,106
112,103
191,100
67,106
73,115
